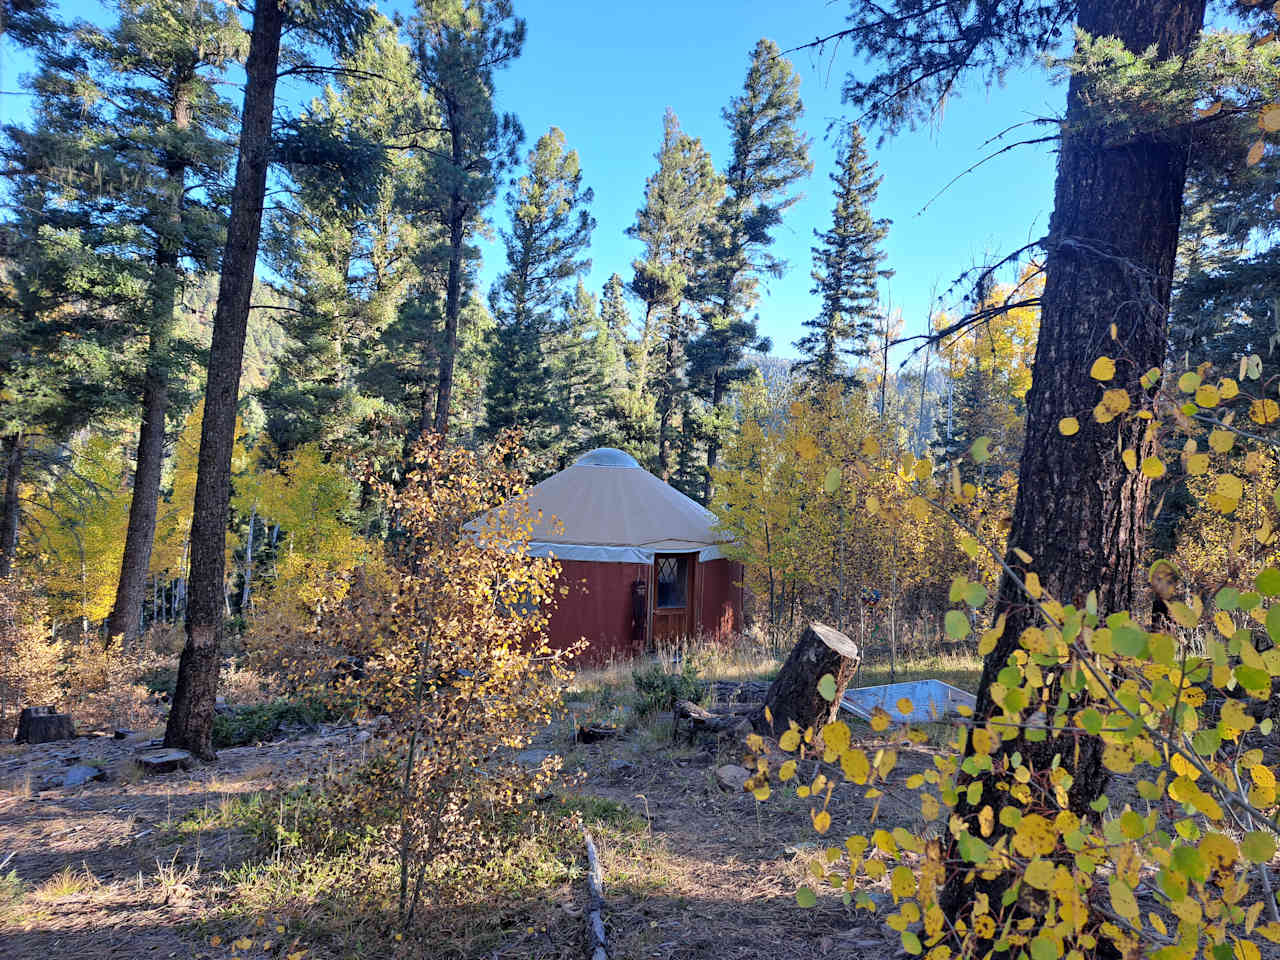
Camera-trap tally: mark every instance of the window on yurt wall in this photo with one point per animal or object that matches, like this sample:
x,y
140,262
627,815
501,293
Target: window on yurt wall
x,y
673,581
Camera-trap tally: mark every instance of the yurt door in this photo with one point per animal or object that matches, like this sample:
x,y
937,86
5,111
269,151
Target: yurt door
x,y
673,595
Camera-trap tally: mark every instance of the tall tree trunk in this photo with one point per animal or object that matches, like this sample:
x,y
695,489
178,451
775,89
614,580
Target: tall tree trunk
x,y
248,563
191,717
453,293
1079,512
14,449
713,440
125,617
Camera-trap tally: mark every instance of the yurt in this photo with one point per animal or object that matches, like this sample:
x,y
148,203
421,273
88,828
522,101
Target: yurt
x,y
641,561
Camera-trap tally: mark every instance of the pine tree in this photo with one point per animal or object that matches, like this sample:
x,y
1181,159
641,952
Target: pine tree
x,y
458,46
588,373
550,229
846,272
351,259
332,24
680,200
770,155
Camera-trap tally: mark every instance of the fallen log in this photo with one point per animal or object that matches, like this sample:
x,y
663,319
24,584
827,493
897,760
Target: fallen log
x,y
794,693
595,903
700,720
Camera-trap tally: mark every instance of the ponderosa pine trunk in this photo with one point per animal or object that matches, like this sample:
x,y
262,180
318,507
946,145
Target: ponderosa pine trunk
x,y
191,717
1080,513
140,534
14,452
452,299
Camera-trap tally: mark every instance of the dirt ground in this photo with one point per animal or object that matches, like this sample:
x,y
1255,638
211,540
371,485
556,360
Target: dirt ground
x,y
134,885
712,873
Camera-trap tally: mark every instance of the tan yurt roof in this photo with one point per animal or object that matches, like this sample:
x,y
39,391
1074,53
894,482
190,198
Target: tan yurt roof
x,y
607,507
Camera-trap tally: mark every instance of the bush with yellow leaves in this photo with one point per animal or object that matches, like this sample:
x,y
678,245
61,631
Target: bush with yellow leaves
x,y
451,649
30,656
1183,714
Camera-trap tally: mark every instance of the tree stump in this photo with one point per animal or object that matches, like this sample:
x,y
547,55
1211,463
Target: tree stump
x,y
794,695
44,725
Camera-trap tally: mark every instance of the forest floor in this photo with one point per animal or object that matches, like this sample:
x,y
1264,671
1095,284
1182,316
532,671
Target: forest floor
x,y
176,865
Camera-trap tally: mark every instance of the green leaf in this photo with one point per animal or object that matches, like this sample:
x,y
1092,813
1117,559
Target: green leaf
x,y
1091,720
1129,641
827,687
1273,623
1042,948
975,595
980,450
957,625
1097,806
1258,846
911,943
1206,741
832,481
1253,679
1250,600
806,898
1268,581
1228,598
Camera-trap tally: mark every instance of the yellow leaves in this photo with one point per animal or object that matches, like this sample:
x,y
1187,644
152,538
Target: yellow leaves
x,y
787,771
1114,402
836,737
1123,901
1153,468
856,766
1254,156
1039,874
1269,118
1130,459
1068,426
821,820
1207,395
1221,441
1103,369
789,741
1197,464
1034,836
1264,411
1032,582
880,720
902,883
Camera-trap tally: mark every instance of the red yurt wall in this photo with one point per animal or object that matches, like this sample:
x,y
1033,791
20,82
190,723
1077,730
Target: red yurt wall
x,y
598,607
721,589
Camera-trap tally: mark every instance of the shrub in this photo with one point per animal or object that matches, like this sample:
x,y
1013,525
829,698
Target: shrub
x,y
30,659
269,721
659,687
453,651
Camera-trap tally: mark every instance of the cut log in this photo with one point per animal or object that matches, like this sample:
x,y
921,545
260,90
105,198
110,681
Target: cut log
x,y
44,725
165,760
794,694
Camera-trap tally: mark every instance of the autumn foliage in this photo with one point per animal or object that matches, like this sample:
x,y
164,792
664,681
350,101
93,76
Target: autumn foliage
x,y
450,648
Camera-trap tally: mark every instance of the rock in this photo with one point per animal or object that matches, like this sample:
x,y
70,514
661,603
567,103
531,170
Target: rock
x,y
532,758
123,734
732,777
165,761
81,774
44,725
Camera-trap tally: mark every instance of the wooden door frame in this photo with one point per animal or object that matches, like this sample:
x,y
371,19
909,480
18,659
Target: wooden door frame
x,y
693,584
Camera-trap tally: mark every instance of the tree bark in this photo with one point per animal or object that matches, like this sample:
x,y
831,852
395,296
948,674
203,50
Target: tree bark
x,y
1080,512
794,695
453,292
190,724
14,448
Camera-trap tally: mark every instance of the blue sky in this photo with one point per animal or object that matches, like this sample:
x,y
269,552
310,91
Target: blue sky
x,y
605,72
